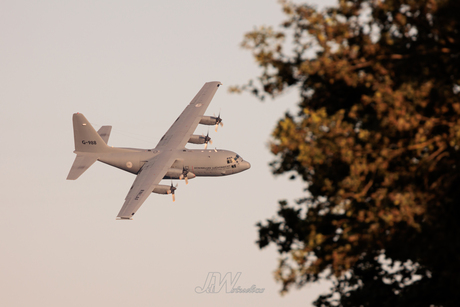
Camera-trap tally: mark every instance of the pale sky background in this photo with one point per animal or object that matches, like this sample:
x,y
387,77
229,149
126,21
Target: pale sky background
x,y
134,65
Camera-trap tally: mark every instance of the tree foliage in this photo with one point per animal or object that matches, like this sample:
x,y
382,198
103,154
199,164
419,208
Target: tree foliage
x,y
376,140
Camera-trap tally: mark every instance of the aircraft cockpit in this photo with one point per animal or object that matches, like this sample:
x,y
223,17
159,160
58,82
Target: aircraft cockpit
x,y
236,159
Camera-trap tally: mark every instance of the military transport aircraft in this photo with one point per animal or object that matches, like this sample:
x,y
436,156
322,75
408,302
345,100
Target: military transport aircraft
x,y
168,160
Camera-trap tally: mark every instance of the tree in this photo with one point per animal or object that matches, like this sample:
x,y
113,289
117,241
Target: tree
x,y
376,140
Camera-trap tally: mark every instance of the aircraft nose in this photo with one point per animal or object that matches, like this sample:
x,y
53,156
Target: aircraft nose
x,y
246,165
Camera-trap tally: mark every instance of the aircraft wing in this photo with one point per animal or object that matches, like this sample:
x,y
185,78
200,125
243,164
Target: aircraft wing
x,y
179,133
150,175
174,139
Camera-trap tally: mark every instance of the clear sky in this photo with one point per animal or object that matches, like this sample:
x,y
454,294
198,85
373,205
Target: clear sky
x,y
134,65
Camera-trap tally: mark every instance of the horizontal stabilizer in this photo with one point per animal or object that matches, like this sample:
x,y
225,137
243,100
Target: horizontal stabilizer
x,y
104,132
80,165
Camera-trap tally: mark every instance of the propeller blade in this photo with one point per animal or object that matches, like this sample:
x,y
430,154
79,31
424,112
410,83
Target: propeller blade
x,y
172,189
207,139
184,175
218,121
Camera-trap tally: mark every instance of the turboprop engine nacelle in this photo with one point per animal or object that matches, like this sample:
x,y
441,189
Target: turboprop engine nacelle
x,y
165,189
175,173
208,120
212,120
199,139
162,189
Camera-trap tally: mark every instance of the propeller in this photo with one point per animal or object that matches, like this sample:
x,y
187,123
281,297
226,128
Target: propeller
x,y
171,190
184,175
207,140
219,121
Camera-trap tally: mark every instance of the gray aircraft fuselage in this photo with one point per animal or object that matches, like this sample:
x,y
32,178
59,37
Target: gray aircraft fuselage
x,y
200,162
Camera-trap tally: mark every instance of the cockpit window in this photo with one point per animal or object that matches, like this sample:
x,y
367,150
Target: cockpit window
x,y
235,159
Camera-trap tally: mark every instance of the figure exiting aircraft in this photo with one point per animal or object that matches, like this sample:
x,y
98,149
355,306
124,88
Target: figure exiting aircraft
x,y
168,160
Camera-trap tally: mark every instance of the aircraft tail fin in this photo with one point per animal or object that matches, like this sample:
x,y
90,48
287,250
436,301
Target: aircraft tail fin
x,y
80,165
88,143
86,138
